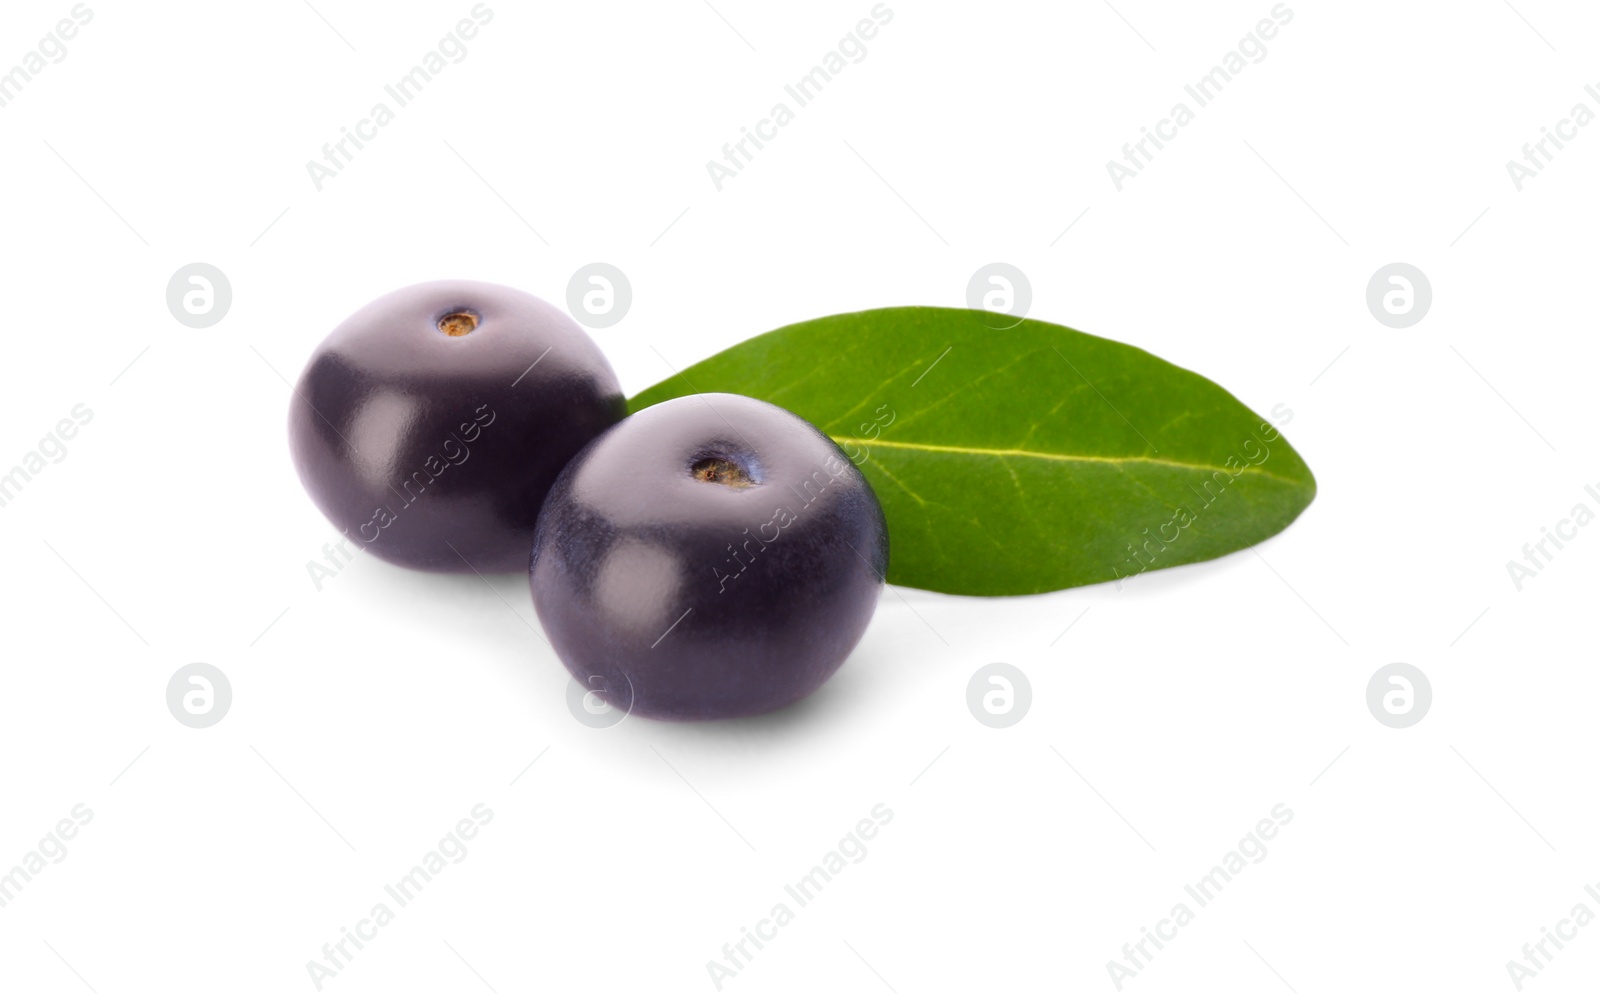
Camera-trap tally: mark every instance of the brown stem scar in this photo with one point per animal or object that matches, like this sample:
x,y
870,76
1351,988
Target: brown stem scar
x,y
715,469
458,323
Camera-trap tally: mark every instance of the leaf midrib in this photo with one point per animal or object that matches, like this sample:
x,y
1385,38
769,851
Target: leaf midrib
x,y
1053,457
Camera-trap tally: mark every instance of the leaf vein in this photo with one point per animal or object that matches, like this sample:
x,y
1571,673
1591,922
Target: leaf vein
x,y
1001,453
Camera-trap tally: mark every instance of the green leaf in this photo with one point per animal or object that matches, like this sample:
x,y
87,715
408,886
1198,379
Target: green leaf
x,y
1022,458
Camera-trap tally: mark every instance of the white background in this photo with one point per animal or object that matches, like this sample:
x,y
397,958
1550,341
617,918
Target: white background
x,y
370,716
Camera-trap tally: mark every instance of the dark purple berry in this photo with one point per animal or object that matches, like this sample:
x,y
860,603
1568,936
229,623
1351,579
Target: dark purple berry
x,y
711,556
429,426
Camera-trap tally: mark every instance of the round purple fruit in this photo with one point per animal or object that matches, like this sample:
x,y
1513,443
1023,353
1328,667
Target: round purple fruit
x,y
711,556
429,426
